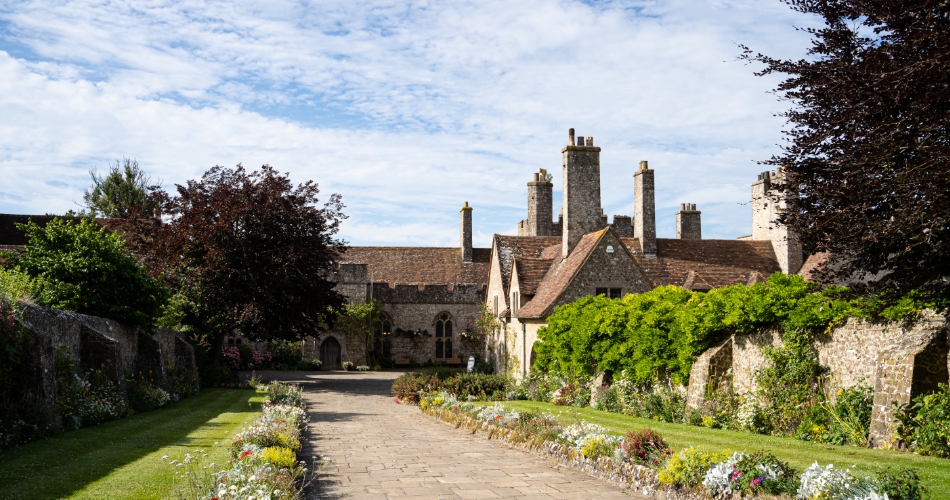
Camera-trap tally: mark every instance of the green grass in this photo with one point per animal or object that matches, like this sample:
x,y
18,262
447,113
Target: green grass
x,y
934,472
122,459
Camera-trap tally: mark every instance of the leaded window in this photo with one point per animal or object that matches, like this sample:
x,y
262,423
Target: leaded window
x,y
443,336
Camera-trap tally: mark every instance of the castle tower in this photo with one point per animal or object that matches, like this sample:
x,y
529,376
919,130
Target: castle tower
x,y
582,211
466,233
765,226
644,210
688,223
540,205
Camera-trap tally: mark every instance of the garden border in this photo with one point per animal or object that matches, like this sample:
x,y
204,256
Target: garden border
x,y
638,478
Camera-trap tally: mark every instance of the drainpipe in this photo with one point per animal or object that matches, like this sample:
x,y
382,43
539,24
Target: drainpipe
x,y
524,351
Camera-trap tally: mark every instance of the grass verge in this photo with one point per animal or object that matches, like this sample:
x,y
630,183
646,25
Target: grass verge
x,y
934,472
122,459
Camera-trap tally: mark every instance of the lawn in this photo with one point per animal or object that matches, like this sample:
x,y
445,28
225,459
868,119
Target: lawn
x,y
934,472
122,459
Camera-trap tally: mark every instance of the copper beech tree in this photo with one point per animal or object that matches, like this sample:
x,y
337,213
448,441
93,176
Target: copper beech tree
x,y
868,145
252,252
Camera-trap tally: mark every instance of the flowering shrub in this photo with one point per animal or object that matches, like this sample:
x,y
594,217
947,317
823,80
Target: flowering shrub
x,y
757,473
688,467
144,396
829,483
347,365
924,424
362,368
410,386
232,357
497,414
663,402
263,455
590,439
643,447
86,400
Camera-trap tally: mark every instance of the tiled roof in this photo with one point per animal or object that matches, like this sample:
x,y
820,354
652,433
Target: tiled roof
x,y
559,276
530,273
713,263
812,264
423,265
511,248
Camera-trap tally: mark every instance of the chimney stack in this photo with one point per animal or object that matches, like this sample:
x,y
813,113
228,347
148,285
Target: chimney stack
x,y
466,233
644,211
540,205
582,211
688,224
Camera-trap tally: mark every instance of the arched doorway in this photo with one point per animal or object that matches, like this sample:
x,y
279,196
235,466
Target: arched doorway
x,y
330,354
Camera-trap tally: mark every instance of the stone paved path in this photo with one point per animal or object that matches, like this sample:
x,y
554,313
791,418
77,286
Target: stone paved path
x,y
380,449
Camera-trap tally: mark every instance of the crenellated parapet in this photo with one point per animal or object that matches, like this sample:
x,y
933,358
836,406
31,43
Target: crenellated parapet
x,y
412,293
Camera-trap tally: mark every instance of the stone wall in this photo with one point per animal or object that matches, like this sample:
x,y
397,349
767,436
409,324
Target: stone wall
x,y
98,343
898,360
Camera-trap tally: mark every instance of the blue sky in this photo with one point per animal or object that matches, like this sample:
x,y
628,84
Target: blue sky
x,y
406,108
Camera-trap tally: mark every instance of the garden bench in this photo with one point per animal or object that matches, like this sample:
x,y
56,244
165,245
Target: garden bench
x,y
402,362
453,361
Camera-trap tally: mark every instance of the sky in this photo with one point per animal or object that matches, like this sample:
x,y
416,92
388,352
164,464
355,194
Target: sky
x,y
407,109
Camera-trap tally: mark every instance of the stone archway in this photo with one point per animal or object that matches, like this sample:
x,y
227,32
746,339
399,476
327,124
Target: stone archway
x,y
330,354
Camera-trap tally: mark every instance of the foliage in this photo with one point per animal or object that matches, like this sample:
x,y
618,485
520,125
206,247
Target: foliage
x,y
410,386
657,401
901,483
788,387
15,286
688,466
849,417
86,399
144,395
643,447
252,252
866,159
819,483
924,424
657,334
607,398
753,474
125,192
83,268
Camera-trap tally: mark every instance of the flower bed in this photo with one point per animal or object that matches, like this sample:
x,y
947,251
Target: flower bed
x,y
642,461
264,461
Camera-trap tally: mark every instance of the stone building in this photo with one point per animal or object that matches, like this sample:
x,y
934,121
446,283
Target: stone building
x,y
553,263
433,297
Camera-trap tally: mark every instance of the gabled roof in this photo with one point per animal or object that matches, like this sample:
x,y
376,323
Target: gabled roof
x,y
530,274
559,276
718,262
694,281
422,265
812,264
511,248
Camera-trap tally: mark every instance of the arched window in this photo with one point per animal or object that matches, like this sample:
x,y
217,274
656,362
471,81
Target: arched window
x,y
443,336
382,340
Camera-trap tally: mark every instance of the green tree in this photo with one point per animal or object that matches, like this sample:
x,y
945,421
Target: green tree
x,y
125,192
81,267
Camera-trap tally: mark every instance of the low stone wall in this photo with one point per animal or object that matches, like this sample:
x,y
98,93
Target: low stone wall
x,y
898,360
99,343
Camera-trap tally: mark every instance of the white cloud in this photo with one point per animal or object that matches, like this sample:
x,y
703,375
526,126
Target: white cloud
x,y
405,108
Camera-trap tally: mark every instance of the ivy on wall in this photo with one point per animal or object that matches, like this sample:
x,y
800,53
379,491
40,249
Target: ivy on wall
x,y
658,334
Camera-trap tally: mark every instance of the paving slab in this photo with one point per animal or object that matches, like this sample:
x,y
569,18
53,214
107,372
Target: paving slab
x,y
380,449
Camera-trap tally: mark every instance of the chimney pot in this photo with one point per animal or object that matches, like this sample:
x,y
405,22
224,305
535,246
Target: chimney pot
x,y
537,177
643,165
570,132
580,141
590,141
682,206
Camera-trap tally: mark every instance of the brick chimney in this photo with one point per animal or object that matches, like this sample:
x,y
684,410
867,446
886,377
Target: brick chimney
x,y
466,232
644,210
540,205
688,224
582,211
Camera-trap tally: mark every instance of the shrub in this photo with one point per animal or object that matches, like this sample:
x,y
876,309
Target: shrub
x,y
688,467
756,473
606,398
82,268
643,447
789,387
280,457
410,386
145,396
309,364
924,424
901,484
819,483
86,399
663,402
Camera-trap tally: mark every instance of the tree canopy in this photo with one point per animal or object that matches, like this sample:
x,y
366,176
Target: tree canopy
x,y
252,252
125,192
868,150
81,267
